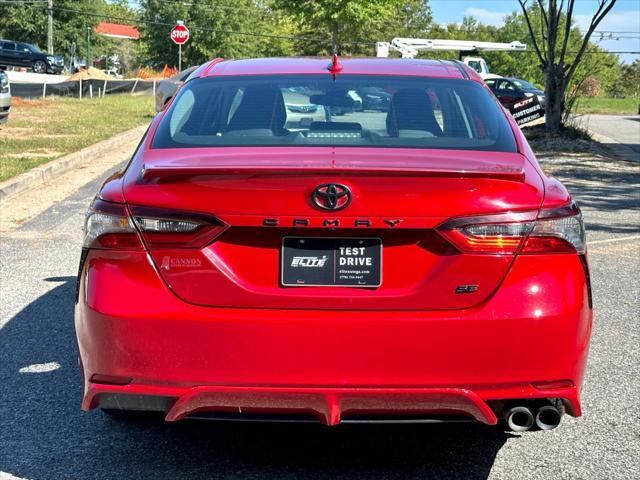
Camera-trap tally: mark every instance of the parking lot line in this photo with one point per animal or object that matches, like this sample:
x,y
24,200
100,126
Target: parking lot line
x,y
610,240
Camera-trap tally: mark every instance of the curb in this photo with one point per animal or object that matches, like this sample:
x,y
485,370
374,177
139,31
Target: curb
x,y
40,175
623,152
617,148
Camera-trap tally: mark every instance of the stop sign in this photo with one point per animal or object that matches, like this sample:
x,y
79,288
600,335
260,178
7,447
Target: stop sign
x,y
179,34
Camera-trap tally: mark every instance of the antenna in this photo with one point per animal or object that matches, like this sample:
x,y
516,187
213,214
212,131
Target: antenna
x,y
335,66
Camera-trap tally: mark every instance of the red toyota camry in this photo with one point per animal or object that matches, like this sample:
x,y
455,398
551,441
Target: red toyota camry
x,y
276,251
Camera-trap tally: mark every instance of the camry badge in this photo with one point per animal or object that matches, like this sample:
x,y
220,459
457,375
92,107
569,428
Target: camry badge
x,y
331,196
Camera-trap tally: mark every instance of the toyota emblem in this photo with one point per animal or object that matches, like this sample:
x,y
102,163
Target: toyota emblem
x,y
331,196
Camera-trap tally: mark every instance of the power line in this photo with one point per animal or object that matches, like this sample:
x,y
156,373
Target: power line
x,y
216,30
138,21
22,2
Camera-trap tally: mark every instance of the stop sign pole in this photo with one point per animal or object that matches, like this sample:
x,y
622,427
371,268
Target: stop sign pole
x,y
179,36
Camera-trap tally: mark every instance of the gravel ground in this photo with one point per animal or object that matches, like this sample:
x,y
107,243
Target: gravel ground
x,y
44,435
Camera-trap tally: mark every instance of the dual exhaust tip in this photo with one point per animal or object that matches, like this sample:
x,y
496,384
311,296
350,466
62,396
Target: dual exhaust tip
x,y
521,418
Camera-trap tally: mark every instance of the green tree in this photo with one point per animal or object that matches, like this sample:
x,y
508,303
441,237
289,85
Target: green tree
x,y
28,23
340,25
71,19
630,79
558,63
224,29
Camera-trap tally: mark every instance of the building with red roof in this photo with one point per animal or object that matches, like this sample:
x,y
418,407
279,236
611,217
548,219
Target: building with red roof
x,y
117,30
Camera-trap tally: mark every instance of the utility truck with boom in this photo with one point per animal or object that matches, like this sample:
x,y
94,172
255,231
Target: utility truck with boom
x,y
410,47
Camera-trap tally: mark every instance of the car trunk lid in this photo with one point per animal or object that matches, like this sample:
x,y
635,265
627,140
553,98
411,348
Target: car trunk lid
x,y
398,196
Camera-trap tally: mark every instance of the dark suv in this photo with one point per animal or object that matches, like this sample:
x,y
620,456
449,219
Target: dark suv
x,y
18,54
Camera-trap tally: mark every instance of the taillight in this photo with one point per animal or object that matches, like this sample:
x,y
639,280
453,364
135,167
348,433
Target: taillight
x,y
107,225
557,230
110,225
551,231
162,228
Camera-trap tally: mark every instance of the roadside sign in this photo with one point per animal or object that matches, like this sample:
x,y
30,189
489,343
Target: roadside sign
x,y
179,34
527,110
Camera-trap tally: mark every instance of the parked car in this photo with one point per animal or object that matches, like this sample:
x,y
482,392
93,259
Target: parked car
x,y
374,98
301,112
167,88
512,90
5,98
19,54
386,266
353,104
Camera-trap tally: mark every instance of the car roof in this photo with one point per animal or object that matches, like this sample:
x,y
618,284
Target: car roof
x,y
359,66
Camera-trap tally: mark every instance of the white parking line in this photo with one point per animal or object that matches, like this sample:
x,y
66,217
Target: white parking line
x,y
8,476
40,367
610,240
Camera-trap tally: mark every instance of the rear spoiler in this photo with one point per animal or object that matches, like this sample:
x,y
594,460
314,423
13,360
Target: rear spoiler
x,y
150,172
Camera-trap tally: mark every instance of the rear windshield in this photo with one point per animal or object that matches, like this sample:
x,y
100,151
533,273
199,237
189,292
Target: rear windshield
x,y
352,110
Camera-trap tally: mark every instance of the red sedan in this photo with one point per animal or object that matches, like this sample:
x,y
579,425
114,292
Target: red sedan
x,y
411,263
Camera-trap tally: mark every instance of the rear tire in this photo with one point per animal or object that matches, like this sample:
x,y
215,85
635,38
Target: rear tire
x,y
39,66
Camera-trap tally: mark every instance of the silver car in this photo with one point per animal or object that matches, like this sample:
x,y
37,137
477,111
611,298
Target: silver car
x,y
5,97
167,88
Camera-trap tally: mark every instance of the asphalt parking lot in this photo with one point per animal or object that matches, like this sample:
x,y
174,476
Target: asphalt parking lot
x,y
44,435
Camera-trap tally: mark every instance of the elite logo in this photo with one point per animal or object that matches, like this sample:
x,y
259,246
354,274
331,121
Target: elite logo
x,y
309,262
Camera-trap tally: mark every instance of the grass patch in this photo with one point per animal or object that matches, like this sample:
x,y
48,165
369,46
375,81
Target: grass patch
x,y
42,130
612,106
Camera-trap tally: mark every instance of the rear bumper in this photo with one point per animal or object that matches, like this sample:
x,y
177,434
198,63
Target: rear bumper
x,y
333,364
330,406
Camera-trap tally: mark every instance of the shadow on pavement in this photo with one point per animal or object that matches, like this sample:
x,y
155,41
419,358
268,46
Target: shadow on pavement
x,y
602,189
46,436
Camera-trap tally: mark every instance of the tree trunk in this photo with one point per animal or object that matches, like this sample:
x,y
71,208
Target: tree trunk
x,y
554,92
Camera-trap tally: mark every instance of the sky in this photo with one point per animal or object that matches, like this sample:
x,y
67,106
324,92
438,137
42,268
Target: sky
x,y
624,17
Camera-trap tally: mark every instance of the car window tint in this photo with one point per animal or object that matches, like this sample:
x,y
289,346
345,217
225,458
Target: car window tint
x,y
182,112
524,85
9,46
315,110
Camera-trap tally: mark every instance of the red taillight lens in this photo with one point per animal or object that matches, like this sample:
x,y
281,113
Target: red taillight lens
x,y
108,226
550,231
557,230
162,228
502,234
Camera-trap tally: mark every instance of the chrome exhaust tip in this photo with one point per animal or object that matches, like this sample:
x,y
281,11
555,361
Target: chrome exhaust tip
x,y
519,419
548,417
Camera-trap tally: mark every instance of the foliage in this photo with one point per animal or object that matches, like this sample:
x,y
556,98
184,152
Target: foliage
x,y
224,29
629,81
352,27
71,19
247,28
590,87
28,23
560,65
